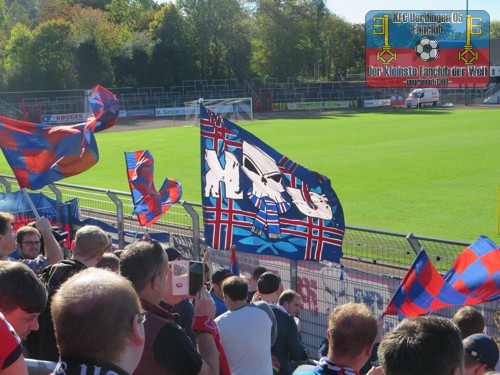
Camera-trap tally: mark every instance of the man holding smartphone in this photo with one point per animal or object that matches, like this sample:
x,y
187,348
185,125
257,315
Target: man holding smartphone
x,y
168,350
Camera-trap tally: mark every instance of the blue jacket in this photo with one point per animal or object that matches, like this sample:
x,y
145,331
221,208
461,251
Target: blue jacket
x,y
288,345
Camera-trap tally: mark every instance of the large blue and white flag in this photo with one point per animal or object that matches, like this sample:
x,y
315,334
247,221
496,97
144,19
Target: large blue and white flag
x,y
261,201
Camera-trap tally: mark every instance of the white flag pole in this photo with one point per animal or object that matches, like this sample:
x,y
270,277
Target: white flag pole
x,y
30,202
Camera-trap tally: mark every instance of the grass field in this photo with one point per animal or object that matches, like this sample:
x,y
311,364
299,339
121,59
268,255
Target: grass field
x,y
430,172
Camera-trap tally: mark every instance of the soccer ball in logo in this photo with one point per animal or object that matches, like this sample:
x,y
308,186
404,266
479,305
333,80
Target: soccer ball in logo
x,y
427,49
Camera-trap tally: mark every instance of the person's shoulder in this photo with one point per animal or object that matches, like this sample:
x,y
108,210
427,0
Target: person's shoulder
x,y
63,265
280,314
37,264
306,370
55,274
223,316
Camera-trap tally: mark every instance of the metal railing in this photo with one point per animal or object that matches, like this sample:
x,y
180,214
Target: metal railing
x,y
373,263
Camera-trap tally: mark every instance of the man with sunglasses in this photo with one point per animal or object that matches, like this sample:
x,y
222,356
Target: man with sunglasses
x,y
168,350
99,326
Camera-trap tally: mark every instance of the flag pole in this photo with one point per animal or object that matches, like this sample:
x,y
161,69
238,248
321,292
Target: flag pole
x,y
30,202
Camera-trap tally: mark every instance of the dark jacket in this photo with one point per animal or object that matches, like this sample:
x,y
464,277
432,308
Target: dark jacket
x,y
168,350
288,345
41,344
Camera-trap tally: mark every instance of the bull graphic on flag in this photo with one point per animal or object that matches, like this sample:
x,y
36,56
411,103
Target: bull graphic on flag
x,y
261,201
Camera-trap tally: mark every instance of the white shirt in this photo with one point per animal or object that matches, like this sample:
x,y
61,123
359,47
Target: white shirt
x,y
245,335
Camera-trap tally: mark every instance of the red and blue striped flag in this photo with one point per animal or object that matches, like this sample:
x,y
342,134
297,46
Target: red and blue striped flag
x,y
149,204
40,154
234,267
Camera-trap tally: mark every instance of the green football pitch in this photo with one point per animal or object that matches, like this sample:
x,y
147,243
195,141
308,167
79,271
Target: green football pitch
x,y
429,172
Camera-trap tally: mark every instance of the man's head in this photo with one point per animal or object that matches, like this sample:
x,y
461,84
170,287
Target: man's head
x,y
22,297
480,354
235,289
217,278
269,286
28,242
145,264
109,261
89,244
291,301
97,314
7,238
172,253
428,345
352,329
257,272
469,320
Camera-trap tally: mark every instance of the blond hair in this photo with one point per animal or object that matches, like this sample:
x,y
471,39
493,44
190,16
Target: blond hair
x,y
90,242
352,327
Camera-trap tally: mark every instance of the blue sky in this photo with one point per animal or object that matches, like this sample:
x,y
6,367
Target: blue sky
x,y
355,10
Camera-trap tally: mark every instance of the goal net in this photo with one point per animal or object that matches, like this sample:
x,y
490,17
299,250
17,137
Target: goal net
x,y
235,109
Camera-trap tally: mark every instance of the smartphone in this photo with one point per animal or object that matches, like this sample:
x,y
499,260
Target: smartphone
x,y
195,277
187,277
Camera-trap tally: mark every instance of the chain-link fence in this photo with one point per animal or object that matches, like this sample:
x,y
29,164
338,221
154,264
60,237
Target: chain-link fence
x,y
373,264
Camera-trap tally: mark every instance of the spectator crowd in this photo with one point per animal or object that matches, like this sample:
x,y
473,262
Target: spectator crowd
x,y
90,310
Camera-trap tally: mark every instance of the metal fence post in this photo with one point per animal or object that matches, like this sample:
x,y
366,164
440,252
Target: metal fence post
x,y
293,274
413,241
119,218
8,186
58,194
196,229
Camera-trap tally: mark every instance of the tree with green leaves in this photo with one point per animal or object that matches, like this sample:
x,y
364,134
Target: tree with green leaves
x,y
18,72
97,40
174,55
133,15
278,48
495,29
315,16
53,55
344,47
218,30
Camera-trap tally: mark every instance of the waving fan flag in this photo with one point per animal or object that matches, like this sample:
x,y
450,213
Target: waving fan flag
x,y
149,204
40,154
234,267
261,201
476,272
423,289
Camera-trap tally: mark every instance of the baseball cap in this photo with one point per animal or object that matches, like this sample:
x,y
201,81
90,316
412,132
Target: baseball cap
x,y
173,253
268,283
482,347
220,275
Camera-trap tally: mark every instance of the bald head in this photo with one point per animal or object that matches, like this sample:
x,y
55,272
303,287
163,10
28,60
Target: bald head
x,y
93,313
